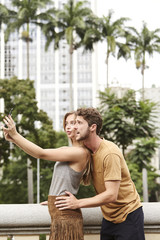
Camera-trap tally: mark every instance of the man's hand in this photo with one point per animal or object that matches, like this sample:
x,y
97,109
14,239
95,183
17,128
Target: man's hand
x,y
67,202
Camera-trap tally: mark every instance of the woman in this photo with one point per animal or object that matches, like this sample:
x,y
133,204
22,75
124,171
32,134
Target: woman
x,y
73,165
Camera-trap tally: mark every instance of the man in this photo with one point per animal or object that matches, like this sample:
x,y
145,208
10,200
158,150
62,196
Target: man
x,y
116,193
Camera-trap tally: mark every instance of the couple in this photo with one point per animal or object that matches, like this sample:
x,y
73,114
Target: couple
x,y
116,193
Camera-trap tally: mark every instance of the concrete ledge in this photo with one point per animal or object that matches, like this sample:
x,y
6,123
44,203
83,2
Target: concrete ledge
x,y
151,217
151,213
26,219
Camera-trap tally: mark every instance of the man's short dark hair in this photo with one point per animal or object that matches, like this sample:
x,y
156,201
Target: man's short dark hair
x,y
92,116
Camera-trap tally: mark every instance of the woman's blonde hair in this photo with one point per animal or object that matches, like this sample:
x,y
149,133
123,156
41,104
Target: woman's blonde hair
x,y
86,177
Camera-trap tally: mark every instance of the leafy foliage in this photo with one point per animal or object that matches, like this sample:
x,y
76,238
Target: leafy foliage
x,y
72,22
20,95
25,12
140,157
125,118
112,32
86,191
143,152
13,185
5,14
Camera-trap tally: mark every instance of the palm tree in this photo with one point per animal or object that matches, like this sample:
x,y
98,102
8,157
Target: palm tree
x,y
5,14
92,34
71,25
143,43
112,33
49,27
26,12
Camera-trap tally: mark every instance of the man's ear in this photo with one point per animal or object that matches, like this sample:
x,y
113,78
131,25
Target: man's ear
x,y
93,127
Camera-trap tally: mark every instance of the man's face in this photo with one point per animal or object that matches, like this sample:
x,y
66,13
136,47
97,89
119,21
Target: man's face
x,y
82,128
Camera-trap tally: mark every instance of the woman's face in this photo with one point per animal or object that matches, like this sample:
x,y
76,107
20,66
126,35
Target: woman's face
x,y
70,126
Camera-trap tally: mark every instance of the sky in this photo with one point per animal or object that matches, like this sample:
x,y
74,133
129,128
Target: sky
x,y
122,73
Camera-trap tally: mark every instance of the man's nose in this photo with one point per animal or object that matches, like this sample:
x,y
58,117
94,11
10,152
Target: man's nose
x,y
75,126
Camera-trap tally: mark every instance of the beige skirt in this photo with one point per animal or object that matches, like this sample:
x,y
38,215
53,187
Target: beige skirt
x,y
65,224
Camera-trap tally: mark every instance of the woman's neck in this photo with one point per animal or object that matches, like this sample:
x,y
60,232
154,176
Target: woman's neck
x,y
75,143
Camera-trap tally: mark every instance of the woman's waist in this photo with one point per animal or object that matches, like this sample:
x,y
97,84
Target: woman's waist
x,y
53,210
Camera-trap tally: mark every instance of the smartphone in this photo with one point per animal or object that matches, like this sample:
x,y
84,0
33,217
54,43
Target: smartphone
x,y
10,113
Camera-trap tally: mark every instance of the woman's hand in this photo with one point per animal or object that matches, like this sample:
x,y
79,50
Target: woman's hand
x,y
27,146
10,130
44,203
7,136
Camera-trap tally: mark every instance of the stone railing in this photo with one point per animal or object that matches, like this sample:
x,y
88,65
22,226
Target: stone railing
x,y
34,219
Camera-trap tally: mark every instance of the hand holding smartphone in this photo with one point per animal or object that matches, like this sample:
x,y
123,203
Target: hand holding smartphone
x,y
10,113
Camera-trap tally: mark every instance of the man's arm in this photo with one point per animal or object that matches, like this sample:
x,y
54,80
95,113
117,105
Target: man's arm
x,y
108,196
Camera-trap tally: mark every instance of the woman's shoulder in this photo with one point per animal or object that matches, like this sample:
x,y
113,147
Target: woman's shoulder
x,y
87,152
82,151
77,151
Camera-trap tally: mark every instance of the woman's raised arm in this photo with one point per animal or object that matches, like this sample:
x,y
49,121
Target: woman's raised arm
x,y
71,154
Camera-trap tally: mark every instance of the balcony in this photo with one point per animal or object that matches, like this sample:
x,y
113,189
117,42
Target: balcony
x,y
31,220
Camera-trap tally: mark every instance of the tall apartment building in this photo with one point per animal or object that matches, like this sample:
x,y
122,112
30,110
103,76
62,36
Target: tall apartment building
x,y
50,70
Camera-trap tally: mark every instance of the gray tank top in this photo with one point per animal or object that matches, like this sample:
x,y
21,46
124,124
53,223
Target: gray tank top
x,y
64,179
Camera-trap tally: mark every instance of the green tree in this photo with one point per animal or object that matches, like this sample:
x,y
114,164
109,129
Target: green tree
x,y
113,32
143,152
71,24
92,34
20,94
125,118
143,43
26,12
